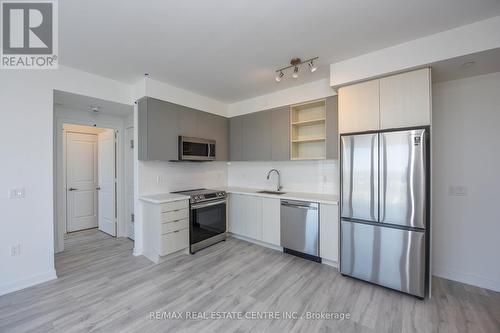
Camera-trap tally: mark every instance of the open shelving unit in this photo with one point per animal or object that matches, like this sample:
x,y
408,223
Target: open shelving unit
x,y
308,131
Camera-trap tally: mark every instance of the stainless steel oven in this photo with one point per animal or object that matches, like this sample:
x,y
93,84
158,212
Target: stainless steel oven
x,y
207,224
196,149
207,219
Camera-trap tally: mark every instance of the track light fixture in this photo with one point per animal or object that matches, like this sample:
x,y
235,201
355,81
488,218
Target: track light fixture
x,y
295,63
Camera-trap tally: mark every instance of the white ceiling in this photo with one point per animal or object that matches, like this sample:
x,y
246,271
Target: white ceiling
x,y
228,49
66,100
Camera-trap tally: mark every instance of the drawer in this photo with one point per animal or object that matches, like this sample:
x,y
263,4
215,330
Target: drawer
x,y
174,226
175,205
174,241
174,215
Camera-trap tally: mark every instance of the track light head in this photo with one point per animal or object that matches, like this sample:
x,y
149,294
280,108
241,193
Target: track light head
x,y
312,68
279,76
296,63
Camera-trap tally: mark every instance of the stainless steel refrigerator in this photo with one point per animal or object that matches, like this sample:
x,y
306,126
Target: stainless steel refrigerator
x,y
384,208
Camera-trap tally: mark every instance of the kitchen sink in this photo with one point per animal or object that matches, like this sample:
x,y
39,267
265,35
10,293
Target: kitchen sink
x,y
271,192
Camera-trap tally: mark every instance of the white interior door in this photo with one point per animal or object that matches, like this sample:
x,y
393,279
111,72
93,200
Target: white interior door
x,y
129,180
81,181
107,181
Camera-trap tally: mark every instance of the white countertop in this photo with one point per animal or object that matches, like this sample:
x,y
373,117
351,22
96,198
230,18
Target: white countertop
x,y
163,197
303,196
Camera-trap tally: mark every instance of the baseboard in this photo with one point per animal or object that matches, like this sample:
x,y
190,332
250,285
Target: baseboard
x,y
471,279
330,263
28,282
258,242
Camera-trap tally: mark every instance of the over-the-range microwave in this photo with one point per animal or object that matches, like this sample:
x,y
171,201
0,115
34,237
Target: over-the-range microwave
x,y
196,149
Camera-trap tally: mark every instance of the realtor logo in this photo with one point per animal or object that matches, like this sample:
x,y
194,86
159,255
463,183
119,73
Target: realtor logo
x,y
29,35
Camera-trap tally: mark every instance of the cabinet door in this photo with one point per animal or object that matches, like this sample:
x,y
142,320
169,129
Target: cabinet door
x,y
188,122
271,221
359,107
221,137
405,99
332,128
214,127
329,232
280,134
162,130
236,214
253,217
142,129
235,138
257,136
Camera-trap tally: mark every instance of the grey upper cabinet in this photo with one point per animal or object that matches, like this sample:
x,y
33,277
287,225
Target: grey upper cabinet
x,y
188,125
160,123
212,126
236,138
280,134
257,136
332,128
260,136
157,130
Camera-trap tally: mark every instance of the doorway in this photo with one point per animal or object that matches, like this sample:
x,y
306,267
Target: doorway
x,y
90,170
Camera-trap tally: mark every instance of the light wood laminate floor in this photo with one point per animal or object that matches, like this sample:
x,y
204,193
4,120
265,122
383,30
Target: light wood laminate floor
x,y
102,287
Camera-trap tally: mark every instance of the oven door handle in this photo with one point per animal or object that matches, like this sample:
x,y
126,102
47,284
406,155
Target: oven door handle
x,y
208,204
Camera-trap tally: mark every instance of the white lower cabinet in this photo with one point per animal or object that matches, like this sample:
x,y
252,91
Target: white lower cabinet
x,y
166,228
237,214
258,218
271,221
255,217
329,232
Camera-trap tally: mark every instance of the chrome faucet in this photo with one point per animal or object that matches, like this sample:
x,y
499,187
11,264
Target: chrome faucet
x,y
278,186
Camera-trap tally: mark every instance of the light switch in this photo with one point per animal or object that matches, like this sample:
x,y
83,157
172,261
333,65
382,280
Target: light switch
x,y
17,193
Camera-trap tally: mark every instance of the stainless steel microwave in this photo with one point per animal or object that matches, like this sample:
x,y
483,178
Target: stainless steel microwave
x,y
196,149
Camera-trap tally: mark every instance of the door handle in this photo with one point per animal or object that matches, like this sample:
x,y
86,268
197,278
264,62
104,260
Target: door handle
x,y
72,189
98,188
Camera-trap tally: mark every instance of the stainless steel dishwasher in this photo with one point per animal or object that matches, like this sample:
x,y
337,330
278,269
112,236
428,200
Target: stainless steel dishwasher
x,y
300,229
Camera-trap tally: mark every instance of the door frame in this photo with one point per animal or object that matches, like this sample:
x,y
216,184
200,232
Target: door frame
x,y
60,178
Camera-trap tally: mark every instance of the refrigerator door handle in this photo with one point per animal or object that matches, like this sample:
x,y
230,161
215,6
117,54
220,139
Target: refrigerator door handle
x,y
375,178
383,176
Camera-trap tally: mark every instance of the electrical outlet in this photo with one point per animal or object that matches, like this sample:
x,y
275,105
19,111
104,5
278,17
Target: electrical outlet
x,y
15,250
458,190
17,193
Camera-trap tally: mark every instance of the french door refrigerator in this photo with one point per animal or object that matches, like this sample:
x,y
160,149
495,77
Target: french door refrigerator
x,y
384,208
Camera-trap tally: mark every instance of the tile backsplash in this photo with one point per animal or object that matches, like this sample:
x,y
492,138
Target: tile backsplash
x,y
299,176
162,177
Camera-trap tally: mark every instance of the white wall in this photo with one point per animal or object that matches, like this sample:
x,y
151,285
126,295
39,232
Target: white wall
x,y
467,39
303,93
26,133
466,137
